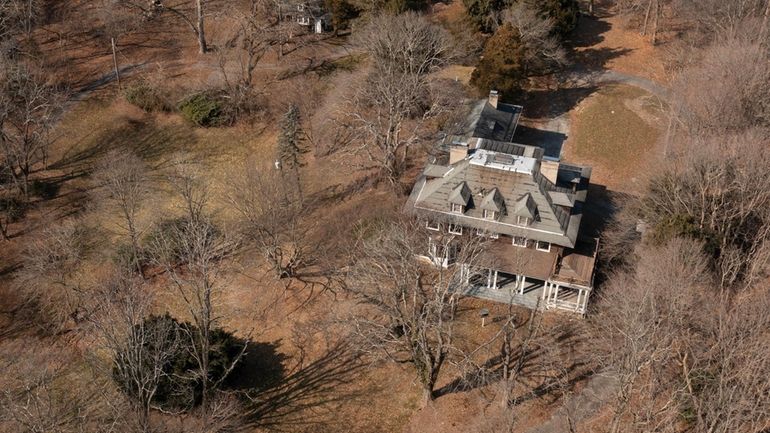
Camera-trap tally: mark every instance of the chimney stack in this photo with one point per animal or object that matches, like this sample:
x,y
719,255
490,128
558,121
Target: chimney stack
x,y
457,152
494,96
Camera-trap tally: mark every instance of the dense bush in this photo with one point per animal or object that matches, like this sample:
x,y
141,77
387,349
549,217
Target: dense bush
x,y
203,109
147,97
501,67
44,189
180,387
486,13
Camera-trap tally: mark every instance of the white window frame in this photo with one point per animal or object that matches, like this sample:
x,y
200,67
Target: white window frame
x,y
489,214
491,235
519,218
455,229
435,228
537,246
459,209
513,241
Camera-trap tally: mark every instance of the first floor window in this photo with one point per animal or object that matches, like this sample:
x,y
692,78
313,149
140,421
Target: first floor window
x,y
543,246
455,229
520,241
432,225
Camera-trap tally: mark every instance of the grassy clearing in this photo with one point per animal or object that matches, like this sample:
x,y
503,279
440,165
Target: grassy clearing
x,y
616,126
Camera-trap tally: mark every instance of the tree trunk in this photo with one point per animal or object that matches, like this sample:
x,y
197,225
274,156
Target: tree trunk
x,y
201,31
646,17
656,17
115,62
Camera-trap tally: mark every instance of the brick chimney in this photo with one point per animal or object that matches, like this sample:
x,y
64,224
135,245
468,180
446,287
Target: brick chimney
x,y
494,96
457,152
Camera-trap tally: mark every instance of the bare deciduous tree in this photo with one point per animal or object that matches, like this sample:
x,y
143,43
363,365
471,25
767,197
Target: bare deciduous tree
x,y
713,193
271,214
30,107
191,253
123,177
140,352
643,317
544,50
404,49
407,303
49,276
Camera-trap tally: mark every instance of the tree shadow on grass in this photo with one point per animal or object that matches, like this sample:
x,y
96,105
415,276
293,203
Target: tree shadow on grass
x,y
148,140
283,398
535,369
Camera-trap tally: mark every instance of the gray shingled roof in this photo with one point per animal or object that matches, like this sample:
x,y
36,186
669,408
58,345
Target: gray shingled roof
x,y
497,123
461,194
493,201
432,197
526,207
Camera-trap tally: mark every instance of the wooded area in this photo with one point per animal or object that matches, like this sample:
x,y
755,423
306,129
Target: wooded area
x,y
201,208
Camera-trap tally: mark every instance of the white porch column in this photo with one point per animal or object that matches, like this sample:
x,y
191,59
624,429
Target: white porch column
x,y
546,289
584,307
494,280
467,274
489,278
556,293
577,303
523,283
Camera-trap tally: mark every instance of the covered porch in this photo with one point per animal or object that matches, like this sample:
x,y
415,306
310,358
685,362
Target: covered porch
x,y
528,292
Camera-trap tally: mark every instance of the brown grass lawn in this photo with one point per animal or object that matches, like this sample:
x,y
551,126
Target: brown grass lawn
x,y
618,130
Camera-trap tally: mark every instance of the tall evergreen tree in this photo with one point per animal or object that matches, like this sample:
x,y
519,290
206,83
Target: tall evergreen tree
x,y
291,144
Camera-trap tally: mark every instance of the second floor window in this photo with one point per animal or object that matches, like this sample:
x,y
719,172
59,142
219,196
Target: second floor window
x,y
455,229
432,226
457,208
522,221
543,246
489,214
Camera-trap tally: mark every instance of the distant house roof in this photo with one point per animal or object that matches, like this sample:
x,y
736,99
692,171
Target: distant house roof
x,y
497,123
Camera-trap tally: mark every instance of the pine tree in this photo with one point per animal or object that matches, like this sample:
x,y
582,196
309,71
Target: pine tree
x,y
502,65
291,145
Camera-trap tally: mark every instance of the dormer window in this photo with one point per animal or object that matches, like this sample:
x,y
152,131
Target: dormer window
x,y
490,214
522,221
457,208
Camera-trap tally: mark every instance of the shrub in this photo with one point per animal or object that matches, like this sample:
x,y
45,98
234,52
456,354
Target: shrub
x,y
44,189
501,67
147,97
180,387
203,110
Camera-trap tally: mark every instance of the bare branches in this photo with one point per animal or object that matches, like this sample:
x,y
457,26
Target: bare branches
x,y
408,305
271,211
123,176
404,49
29,109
